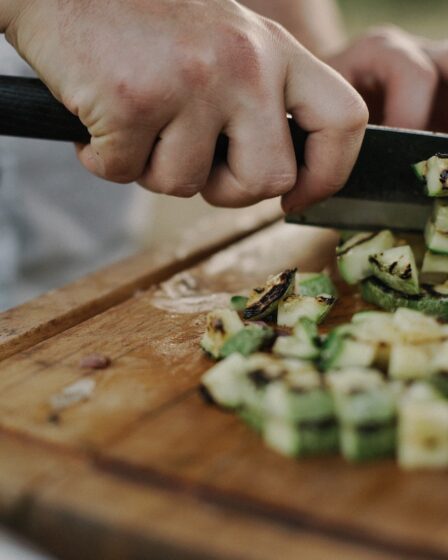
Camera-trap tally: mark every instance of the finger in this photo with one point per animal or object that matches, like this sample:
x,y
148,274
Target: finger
x,y
409,81
120,156
335,116
260,161
182,159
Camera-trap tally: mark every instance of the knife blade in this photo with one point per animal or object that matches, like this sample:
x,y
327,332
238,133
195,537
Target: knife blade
x,y
382,190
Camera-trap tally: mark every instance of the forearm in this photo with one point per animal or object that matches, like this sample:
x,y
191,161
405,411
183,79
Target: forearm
x,y
316,24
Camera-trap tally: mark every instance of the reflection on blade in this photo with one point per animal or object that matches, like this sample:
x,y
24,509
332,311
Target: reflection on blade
x,y
348,213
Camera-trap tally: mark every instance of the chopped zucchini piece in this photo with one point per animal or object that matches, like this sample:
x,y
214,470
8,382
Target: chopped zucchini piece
x,y
423,429
435,268
366,411
298,398
418,328
292,347
353,255
439,369
396,268
304,344
434,173
368,316
369,441
252,417
341,350
263,301
436,241
440,215
411,361
314,284
238,303
248,340
429,301
224,382
222,324
293,308
421,169
303,439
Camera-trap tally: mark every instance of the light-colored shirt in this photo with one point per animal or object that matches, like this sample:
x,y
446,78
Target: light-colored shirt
x,y
57,222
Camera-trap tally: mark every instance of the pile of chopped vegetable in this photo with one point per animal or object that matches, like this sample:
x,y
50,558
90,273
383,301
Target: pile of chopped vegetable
x,y
375,387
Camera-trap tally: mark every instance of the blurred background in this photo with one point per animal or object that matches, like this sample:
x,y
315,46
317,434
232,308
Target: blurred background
x,y
422,17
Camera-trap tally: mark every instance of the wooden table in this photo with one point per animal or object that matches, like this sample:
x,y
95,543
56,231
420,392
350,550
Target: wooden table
x,y
145,469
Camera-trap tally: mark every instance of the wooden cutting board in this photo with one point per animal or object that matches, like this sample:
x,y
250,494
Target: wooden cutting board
x,y
145,469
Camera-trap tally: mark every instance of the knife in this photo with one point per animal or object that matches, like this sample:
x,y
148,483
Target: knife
x,y
381,192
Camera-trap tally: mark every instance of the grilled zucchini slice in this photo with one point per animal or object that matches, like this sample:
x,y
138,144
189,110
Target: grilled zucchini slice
x,y
341,350
303,344
303,439
440,215
353,255
293,308
429,301
423,429
224,383
248,340
396,268
366,412
434,268
222,325
314,284
436,241
434,173
238,303
410,362
263,301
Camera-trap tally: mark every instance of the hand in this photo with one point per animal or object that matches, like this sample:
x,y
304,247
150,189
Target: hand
x,y
438,53
398,75
156,81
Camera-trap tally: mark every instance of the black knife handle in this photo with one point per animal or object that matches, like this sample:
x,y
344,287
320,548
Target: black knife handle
x,y
29,110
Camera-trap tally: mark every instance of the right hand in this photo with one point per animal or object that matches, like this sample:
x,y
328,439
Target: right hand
x,y
156,81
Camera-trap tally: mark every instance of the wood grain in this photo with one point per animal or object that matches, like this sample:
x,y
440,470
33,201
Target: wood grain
x,y
145,469
56,311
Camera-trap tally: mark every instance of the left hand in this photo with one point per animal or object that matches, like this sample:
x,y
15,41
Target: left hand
x,y
401,77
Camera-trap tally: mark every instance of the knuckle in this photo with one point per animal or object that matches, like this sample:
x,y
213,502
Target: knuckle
x,y
354,115
131,100
384,34
197,71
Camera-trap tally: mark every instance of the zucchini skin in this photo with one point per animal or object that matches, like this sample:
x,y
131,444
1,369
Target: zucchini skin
x,y
264,301
238,303
316,285
429,302
247,341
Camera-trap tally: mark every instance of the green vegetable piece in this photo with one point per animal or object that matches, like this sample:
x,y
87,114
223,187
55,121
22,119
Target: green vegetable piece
x,y
301,440
341,350
436,241
353,255
429,301
434,174
238,303
314,284
248,340
264,301
396,268
368,442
